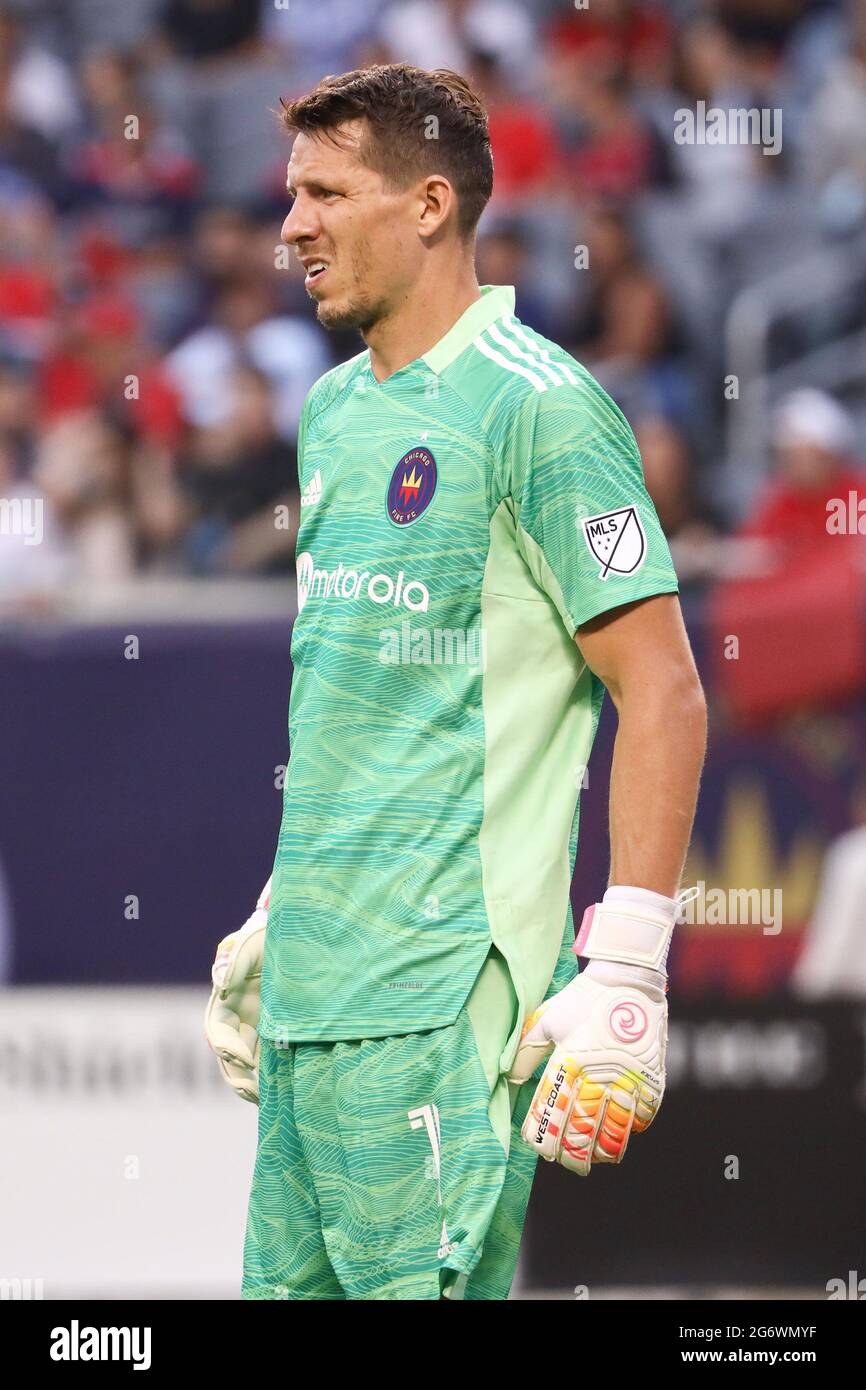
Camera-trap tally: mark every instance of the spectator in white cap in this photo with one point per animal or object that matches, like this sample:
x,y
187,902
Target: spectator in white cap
x,y
818,489
811,421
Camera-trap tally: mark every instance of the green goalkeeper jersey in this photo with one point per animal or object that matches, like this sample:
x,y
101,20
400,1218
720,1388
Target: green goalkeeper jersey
x,y
459,522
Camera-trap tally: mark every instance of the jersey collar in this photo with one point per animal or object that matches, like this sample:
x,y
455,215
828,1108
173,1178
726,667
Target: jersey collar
x,y
495,301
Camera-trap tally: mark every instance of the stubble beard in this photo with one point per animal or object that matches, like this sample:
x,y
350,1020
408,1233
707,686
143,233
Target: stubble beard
x,y
358,310
355,313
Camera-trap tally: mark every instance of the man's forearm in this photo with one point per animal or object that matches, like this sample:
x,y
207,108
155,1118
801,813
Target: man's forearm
x,y
657,759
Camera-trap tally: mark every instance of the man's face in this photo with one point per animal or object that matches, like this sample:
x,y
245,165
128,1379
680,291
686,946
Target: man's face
x,y
806,465
346,220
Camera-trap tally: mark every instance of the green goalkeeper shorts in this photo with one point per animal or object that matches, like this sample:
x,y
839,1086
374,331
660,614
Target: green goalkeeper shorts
x,y
393,1167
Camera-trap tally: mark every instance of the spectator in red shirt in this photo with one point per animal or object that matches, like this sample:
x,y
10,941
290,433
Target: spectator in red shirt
x,y
800,615
526,153
103,359
639,36
608,144
814,443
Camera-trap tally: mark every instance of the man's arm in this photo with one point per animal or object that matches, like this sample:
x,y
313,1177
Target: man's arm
x,y
641,653
608,1026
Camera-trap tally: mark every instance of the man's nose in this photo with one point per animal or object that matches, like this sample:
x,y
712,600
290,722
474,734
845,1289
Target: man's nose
x,y
299,224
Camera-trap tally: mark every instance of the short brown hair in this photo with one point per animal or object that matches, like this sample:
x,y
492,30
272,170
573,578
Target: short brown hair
x,y
402,143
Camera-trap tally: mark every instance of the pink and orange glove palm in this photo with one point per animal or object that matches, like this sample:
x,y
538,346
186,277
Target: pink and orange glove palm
x,y
606,1075
605,1035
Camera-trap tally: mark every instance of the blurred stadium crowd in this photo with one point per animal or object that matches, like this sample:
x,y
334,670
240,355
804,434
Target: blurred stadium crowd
x,y
154,355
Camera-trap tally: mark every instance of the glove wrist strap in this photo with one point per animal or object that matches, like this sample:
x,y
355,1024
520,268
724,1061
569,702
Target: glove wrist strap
x,y
629,931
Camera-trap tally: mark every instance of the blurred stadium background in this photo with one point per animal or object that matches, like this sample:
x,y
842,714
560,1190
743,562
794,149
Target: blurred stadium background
x,y
154,353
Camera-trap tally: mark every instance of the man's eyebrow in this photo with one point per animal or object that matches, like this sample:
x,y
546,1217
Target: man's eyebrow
x,y
305,183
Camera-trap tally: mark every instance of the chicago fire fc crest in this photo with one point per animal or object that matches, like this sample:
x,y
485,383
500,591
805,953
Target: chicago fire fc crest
x,y
617,541
412,486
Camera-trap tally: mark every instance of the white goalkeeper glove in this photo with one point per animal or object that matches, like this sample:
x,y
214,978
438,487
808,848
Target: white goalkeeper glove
x,y
608,1031
232,1013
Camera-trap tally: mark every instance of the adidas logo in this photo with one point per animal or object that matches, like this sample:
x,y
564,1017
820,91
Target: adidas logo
x,y
313,491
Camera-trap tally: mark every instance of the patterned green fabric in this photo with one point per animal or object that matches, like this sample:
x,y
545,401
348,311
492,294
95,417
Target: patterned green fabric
x,y
441,716
393,1168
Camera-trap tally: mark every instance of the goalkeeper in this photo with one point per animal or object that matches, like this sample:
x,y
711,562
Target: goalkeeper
x,y
478,560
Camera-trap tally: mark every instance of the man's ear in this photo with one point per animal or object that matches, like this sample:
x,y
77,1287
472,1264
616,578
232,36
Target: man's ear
x,y
438,202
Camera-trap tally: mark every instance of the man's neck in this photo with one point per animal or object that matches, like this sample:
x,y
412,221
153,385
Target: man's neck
x,y
421,320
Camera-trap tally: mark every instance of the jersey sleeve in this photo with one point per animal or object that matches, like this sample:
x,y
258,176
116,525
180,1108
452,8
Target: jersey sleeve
x,y
586,525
